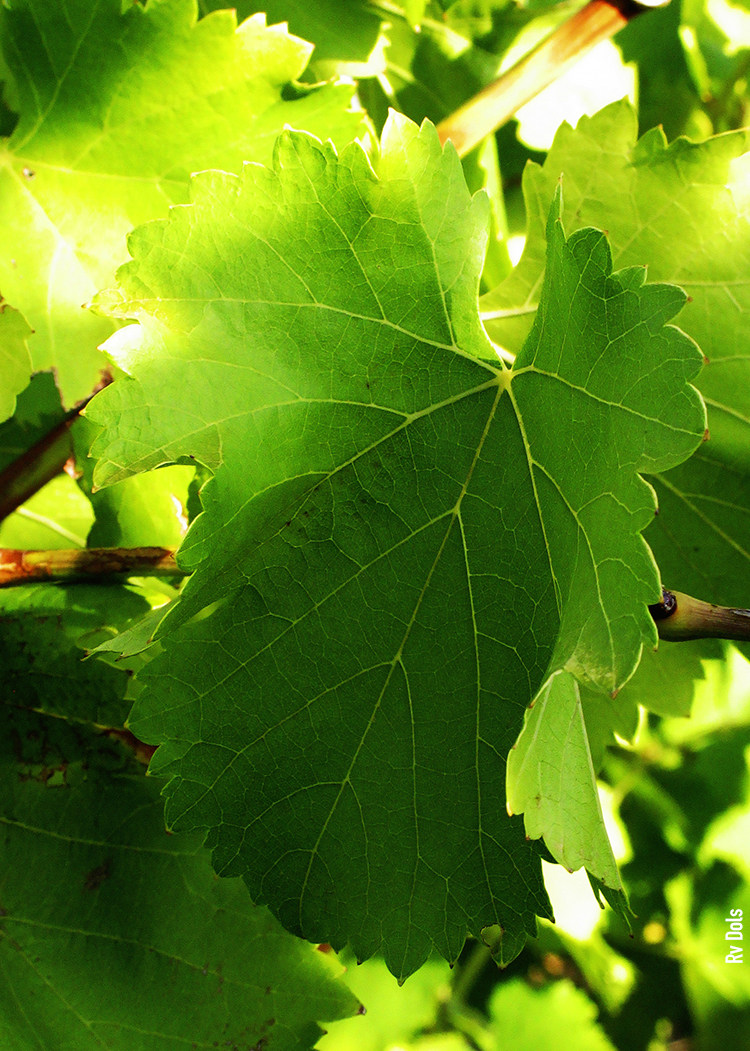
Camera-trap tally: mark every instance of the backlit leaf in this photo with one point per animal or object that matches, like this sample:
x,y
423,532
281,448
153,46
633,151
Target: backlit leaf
x,y
396,547
117,108
552,782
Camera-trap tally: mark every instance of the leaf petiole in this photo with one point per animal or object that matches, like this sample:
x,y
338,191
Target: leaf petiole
x,y
680,618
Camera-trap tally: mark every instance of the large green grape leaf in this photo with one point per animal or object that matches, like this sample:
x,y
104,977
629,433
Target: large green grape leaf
x,y
117,107
672,208
397,544
114,935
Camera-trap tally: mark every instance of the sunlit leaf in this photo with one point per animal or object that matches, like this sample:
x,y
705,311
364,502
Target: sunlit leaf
x,y
15,361
117,108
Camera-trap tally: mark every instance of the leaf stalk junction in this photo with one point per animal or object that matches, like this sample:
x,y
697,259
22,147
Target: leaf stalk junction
x,y
681,618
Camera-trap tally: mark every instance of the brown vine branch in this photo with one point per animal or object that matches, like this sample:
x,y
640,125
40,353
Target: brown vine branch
x,y
42,462
496,104
680,618
22,567
37,466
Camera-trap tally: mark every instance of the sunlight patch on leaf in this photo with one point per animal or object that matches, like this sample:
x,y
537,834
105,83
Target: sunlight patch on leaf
x,y
117,108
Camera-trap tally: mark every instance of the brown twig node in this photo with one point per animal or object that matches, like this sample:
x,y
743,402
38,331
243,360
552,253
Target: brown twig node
x,y
680,618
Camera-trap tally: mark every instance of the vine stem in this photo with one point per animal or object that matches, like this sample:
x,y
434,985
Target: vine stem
x,y
680,618
23,567
496,104
43,461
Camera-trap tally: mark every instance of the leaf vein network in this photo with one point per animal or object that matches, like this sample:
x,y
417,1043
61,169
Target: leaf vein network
x,y
478,665
530,464
343,233
454,517
323,476
594,564
604,401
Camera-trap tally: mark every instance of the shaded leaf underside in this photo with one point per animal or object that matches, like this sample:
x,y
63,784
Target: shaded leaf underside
x,y
99,909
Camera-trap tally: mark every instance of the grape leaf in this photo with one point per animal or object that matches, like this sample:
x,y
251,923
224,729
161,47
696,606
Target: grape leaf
x,y
38,411
133,640
117,107
551,780
659,47
395,545
147,510
606,716
56,517
669,207
100,910
551,775
666,678
342,30
15,360
45,630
